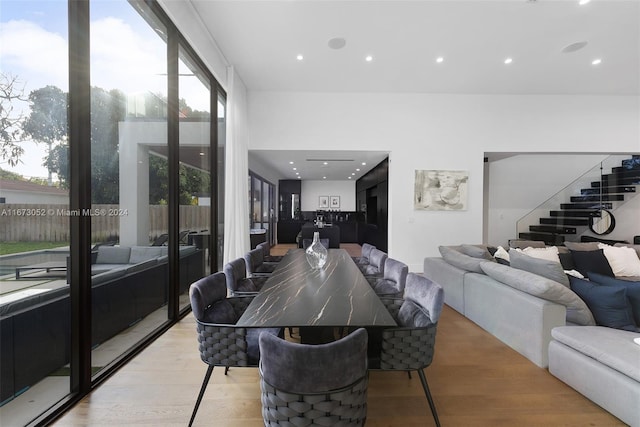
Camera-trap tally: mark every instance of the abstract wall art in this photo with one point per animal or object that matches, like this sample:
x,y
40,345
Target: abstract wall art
x,y
440,190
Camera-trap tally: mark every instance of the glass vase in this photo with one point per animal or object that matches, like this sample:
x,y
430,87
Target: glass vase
x,y
316,253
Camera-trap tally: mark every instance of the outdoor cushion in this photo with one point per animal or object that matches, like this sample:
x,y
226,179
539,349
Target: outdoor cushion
x,y
541,287
145,253
113,255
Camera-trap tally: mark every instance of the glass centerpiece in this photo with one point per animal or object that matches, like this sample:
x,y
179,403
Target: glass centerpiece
x,y
316,253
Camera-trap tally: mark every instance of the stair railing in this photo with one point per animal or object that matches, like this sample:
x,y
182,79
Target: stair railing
x,y
573,189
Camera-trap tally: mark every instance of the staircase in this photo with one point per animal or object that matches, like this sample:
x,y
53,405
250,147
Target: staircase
x,y
573,217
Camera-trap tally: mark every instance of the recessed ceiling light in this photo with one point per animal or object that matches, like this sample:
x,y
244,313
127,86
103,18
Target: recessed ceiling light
x,y
290,163
574,46
201,153
324,177
508,61
299,177
357,169
368,58
353,173
348,177
439,59
337,43
299,57
295,169
364,163
596,61
325,163
583,2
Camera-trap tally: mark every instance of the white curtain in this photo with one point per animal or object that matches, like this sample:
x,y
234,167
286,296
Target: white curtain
x,y
236,203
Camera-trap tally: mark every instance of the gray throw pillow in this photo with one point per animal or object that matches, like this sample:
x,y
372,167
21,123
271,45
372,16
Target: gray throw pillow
x,y
582,246
476,251
462,261
542,267
541,287
521,243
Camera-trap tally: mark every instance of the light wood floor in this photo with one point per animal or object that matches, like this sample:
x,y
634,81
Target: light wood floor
x,y
475,380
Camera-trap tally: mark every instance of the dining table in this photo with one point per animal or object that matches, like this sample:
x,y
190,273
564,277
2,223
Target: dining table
x,y
336,295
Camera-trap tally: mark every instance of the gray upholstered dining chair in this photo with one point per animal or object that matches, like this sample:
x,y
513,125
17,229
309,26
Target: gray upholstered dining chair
x,y
238,283
363,259
303,385
375,268
393,280
256,266
411,345
221,342
266,253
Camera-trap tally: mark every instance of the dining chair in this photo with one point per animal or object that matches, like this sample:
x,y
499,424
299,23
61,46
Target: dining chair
x,y
221,342
238,283
266,253
375,268
363,259
393,280
256,266
303,385
411,345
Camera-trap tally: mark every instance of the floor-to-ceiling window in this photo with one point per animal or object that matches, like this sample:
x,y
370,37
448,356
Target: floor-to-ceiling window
x,y
222,141
261,209
91,285
34,212
195,172
128,177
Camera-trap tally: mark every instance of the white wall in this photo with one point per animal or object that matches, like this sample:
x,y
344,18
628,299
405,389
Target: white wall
x,y
425,131
311,190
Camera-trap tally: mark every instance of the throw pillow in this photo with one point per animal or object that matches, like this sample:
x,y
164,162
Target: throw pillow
x,y
609,304
501,254
541,287
521,244
550,253
623,261
550,269
582,246
633,291
462,261
476,251
591,262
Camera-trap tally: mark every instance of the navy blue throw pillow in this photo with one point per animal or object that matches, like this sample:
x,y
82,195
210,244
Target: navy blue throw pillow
x,y
633,291
591,262
608,304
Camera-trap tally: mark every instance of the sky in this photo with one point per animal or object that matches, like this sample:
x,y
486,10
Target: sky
x,y
126,54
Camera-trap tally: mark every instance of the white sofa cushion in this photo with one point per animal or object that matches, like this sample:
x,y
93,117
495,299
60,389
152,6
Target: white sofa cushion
x,y
612,347
541,287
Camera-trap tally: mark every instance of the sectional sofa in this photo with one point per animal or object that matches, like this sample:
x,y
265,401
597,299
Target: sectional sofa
x,y
533,309
129,283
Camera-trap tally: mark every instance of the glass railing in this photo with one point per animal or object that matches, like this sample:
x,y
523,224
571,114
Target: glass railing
x,y
573,189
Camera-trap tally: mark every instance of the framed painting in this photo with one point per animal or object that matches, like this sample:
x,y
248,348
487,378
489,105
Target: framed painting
x,y
440,190
323,202
334,202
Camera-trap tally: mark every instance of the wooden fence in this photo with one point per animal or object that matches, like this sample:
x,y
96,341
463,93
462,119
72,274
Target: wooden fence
x,y
50,223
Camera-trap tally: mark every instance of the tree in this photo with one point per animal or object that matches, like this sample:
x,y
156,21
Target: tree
x,y
47,121
10,122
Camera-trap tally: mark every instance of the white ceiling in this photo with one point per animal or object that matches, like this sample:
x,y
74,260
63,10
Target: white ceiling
x,y
340,165
262,38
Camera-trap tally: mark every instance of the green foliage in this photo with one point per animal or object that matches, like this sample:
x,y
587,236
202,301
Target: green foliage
x,y
17,247
10,123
